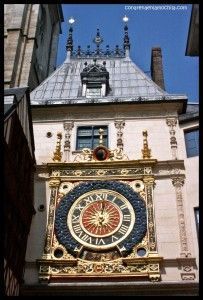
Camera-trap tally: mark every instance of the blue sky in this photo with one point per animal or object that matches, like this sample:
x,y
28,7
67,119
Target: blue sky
x,y
147,28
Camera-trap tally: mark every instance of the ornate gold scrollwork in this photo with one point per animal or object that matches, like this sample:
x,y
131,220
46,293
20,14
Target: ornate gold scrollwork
x,y
117,267
137,185
57,153
54,183
155,277
87,155
44,273
65,187
146,152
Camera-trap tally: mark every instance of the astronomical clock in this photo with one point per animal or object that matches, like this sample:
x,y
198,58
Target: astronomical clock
x,y
101,218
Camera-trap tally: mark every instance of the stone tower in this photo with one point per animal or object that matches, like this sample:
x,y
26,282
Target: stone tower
x,y
31,33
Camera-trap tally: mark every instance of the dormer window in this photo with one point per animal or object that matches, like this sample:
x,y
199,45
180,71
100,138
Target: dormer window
x,y
95,80
93,92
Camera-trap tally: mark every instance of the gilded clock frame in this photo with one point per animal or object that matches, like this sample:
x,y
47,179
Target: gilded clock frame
x,y
137,174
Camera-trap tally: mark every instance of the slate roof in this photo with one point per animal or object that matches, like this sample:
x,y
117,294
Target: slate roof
x,y
12,96
192,113
126,81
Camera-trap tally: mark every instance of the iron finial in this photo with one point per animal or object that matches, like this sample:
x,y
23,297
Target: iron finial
x,y
126,44
69,44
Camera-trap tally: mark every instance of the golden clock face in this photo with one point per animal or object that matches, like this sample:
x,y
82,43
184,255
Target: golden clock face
x,y
101,219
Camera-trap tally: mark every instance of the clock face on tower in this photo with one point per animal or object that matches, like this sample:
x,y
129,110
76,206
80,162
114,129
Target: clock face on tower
x,y
101,219
100,216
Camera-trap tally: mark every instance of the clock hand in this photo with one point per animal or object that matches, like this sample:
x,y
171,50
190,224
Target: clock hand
x,y
103,206
101,213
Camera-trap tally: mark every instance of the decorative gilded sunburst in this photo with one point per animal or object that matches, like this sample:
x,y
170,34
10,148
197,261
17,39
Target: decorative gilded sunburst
x,y
101,218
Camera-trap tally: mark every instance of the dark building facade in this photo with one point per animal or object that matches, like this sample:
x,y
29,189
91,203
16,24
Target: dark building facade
x,y
19,170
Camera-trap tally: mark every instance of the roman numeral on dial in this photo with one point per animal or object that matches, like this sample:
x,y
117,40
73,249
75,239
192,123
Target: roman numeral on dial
x,y
77,228
114,238
99,241
123,206
123,229
127,218
75,219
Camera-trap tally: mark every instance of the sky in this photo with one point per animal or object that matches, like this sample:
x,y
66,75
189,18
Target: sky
x,y
148,27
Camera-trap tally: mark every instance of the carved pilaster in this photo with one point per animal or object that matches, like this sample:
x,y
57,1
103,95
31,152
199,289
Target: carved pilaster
x,y
54,185
178,182
68,126
171,122
149,185
119,124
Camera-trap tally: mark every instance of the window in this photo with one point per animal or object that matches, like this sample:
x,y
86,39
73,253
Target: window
x,y
88,137
196,209
192,142
93,92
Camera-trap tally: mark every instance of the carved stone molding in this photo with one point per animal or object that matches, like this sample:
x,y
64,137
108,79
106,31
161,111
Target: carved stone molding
x,y
68,126
119,124
188,276
171,122
187,266
178,182
169,169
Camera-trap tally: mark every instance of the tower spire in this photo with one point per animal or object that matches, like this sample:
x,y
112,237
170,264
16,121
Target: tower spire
x,y
126,40
69,44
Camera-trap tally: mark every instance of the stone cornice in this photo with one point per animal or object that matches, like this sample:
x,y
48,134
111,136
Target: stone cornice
x,y
141,109
169,169
113,288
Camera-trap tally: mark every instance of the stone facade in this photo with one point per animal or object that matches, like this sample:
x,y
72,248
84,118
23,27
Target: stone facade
x,y
31,33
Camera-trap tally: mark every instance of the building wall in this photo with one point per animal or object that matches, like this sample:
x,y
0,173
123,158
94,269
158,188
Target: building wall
x,y
137,118
133,142
167,216
30,43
